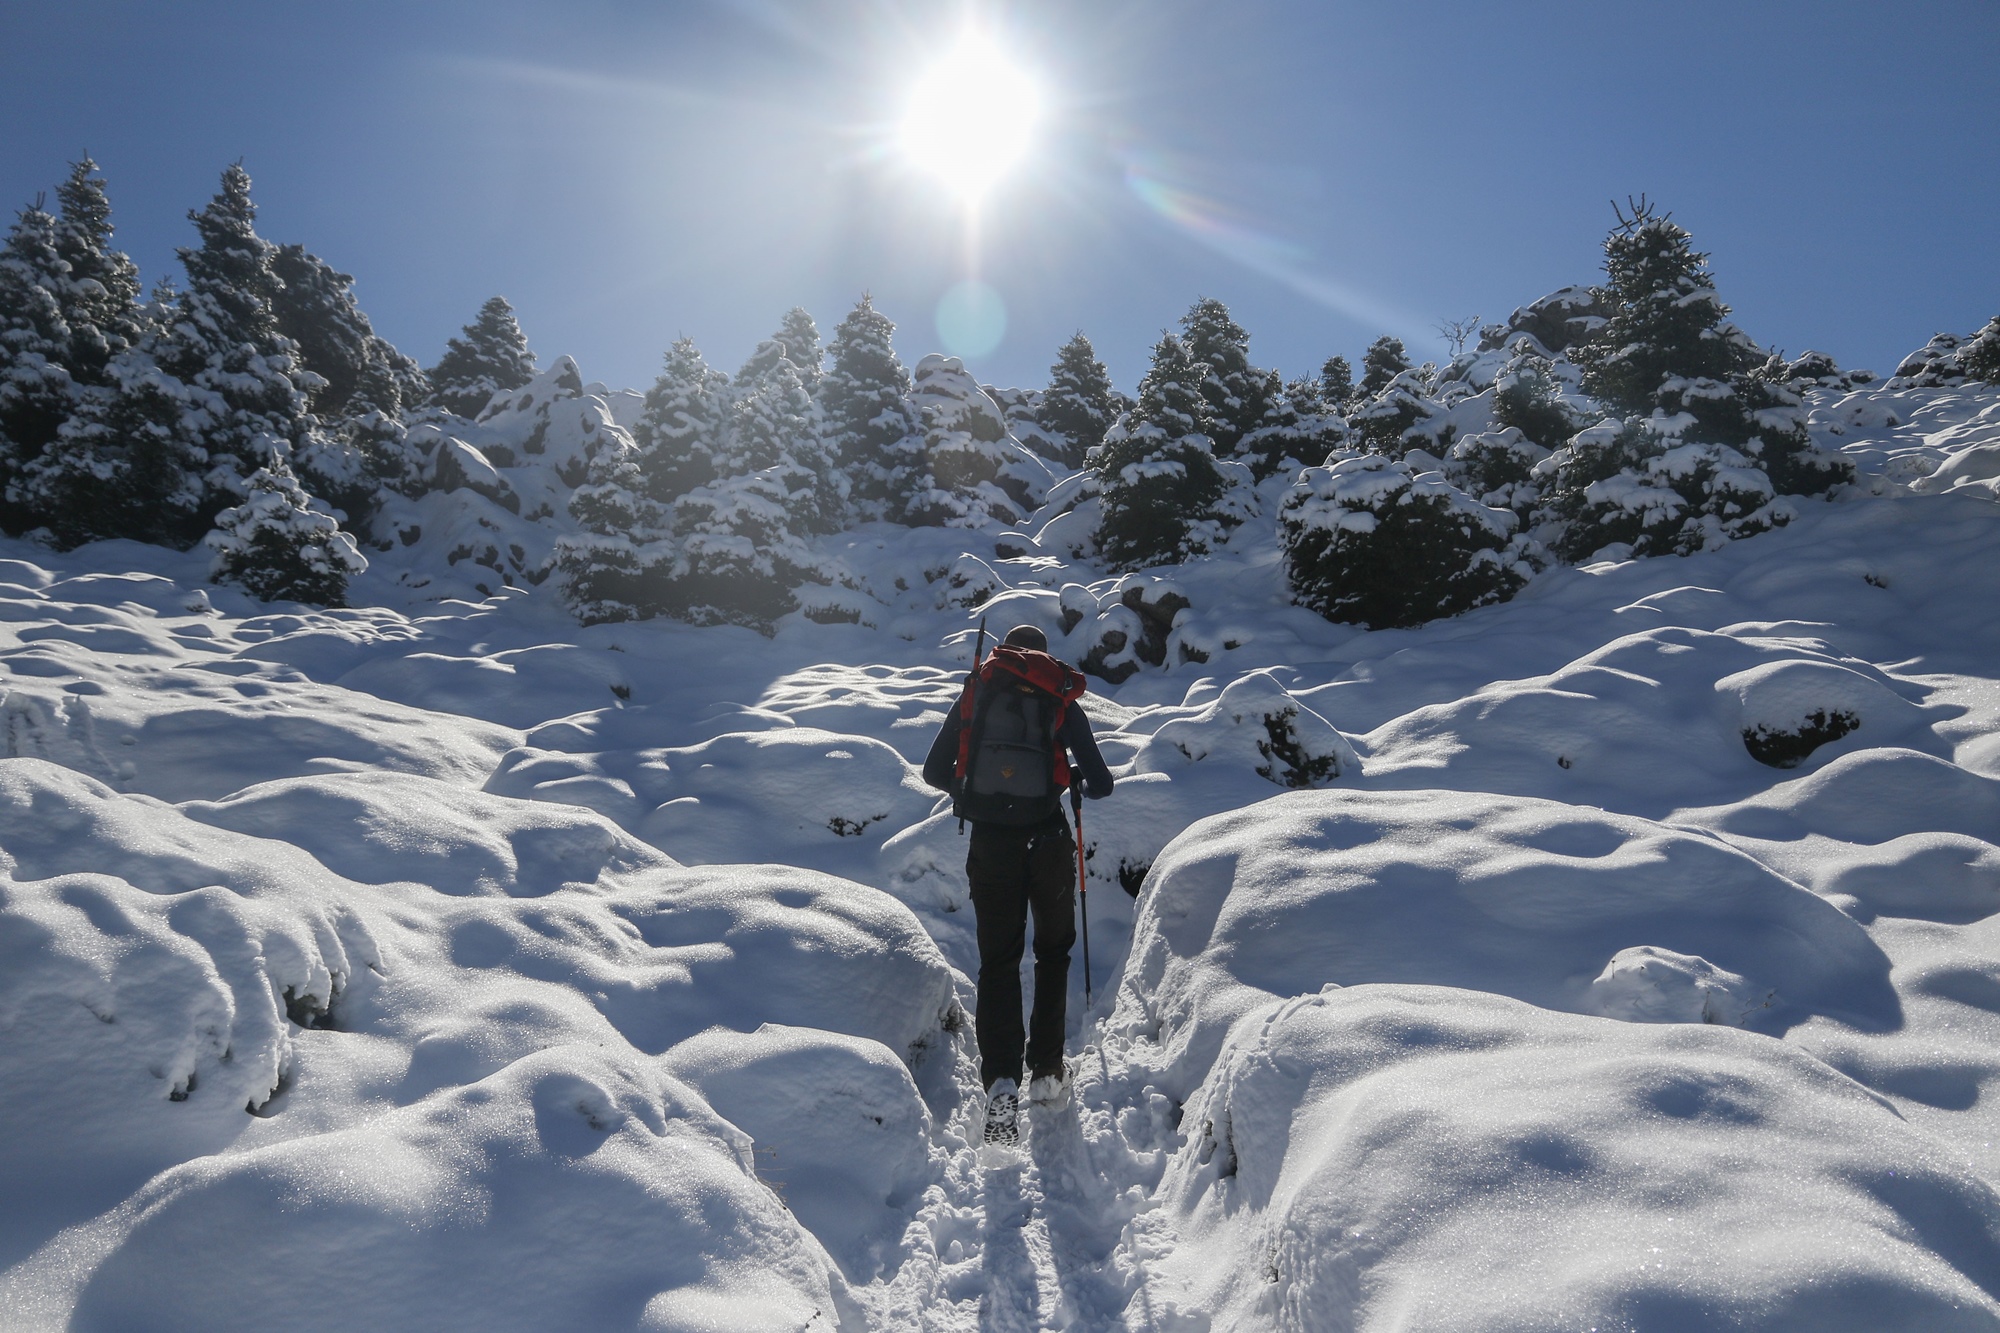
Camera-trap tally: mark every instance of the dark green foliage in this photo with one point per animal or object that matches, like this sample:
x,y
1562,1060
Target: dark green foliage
x,y
867,419
1979,356
1368,543
36,392
1384,360
1157,477
101,304
1299,430
490,356
1080,403
1238,394
276,547
1336,383
1529,400
1788,749
680,434
799,336
1666,321
315,308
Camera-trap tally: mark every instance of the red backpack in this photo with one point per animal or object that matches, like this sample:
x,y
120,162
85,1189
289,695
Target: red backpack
x,y
1012,765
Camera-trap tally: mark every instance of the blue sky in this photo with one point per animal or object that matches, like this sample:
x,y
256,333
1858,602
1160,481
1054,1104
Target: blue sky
x,y
627,172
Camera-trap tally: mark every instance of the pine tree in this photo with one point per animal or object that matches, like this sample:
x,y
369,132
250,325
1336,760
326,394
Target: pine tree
x,y
617,567
799,336
1299,430
276,547
1528,399
210,392
681,432
1369,542
1156,469
1380,364
314,306
1710,429
129,462
491,356
1238,394
101,303
775,424
1979,355
36,392
869,424
1336,384
1080,403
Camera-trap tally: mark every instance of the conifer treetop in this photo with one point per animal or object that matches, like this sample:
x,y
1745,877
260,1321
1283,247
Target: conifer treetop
x,y
490,356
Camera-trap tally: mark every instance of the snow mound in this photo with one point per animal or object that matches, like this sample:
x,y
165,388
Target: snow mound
x,y
419,1034
1659,718
1358,1153
1536,900
839,1130
1254,723
571,1189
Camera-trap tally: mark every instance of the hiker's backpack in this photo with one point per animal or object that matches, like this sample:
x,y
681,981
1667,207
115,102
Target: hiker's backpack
x,y
1012,767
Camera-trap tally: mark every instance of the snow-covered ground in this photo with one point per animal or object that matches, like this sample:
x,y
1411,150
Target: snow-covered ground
x,y
441,965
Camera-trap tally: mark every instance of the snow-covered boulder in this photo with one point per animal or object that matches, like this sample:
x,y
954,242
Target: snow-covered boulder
x,y
1427,1157
1256,724
1524,898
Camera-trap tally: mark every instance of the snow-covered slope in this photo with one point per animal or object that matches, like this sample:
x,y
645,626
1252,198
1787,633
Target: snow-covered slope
x,y
441,964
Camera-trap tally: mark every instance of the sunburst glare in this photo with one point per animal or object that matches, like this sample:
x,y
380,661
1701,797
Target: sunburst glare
x,y
971,118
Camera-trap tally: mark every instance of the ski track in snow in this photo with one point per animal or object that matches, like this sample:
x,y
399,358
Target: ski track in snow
x,y
451,892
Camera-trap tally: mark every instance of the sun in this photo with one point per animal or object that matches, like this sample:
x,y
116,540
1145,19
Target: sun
x,y
971,118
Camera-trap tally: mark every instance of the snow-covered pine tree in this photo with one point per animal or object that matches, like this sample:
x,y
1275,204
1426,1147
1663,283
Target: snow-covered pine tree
x,y
618,566
1529,399
1336,384
736,553
1238,393
1979,356
211,390
275,546
129,462
36,392
1384,423
681,432
869,425
774,424
101,303
1157,478
1299,429
1710,430
314,306
1368,541
972,473
1626,483
224,341
799,336
1080,403
1384,360
489,356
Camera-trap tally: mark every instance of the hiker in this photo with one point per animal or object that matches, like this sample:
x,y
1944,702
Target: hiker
x,y
1004,755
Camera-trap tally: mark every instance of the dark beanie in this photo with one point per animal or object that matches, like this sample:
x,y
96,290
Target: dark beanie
x,y
1027,636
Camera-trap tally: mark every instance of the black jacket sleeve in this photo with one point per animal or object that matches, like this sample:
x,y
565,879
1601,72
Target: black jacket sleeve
x,y
941,764
1082,745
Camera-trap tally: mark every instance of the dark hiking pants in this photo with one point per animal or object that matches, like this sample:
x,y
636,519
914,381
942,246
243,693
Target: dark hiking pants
x,y
1015,871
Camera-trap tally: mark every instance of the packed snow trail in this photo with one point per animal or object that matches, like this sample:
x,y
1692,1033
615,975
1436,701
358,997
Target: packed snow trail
x,y
1483,978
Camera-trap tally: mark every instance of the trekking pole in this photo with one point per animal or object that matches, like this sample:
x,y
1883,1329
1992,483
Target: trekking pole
x,y
1082,887
971,683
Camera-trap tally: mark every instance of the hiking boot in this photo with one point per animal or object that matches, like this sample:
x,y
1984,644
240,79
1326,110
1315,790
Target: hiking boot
x,y
1050,1089
1003,1113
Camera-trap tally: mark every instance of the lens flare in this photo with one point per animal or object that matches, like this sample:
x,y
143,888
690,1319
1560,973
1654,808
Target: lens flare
x,y
971,118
